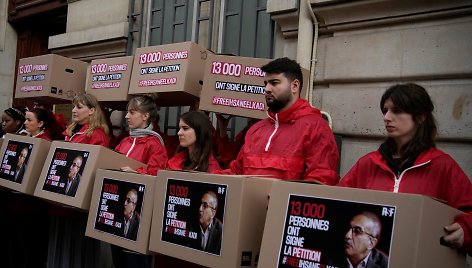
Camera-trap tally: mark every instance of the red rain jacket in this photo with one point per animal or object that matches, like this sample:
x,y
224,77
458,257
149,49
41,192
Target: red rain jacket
x,y
177,162
433,174
147,150
98,137
296,144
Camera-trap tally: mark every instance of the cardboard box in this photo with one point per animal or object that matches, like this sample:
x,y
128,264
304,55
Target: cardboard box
x,y
106,215
239,216
50,78
108,79
235,85
306,226
174,71
80,161
31,152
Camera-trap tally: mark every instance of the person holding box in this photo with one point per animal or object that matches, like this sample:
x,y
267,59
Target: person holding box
x,y
195,152
88,124
143,144
409,162
68,246
294,143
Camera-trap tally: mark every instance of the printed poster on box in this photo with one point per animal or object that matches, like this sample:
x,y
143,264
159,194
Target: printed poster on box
x,y
119,210
15,161
319,232
174,71
108,79
235,85
65,171
190,207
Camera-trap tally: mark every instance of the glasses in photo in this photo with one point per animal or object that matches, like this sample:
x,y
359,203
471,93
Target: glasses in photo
x,y
128,200
206,205
74,164
357,231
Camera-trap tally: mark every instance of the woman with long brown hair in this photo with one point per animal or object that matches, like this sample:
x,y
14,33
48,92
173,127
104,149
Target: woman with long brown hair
x,y
409,162
195,150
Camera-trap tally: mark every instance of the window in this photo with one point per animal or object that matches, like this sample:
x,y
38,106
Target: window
x,y
240,27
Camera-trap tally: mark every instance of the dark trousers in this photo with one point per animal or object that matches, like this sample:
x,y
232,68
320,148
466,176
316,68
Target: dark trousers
x,y
123,258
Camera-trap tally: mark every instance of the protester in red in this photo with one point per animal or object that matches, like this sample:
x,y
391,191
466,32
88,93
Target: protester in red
x,y
195,152
408,161
41,124
143,144
294,143
68,245
88,123
227,150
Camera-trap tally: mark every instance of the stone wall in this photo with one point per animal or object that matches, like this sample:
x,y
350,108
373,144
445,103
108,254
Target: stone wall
x,y
8,40
365,46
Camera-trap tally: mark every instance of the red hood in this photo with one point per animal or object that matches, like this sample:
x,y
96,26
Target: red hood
x,y
300,108
424,157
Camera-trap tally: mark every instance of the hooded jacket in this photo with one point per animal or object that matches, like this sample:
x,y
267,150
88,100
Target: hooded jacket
x,y
98,137
434,174
148,150
296,144
177,162
45,135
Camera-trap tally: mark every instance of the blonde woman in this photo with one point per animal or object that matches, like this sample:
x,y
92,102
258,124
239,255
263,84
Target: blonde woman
x,y
88,124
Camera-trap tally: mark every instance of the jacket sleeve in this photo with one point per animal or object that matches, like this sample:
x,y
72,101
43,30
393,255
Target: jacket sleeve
x,y
459,193
157,159
213,165
465,221
321,155
351,177
225,150
99,137
235,167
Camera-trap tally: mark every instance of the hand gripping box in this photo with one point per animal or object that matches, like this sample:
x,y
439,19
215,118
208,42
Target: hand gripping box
x,y
121,209
22,160
311,225
230,209
108,79
69,172
50,78
235,85
174,71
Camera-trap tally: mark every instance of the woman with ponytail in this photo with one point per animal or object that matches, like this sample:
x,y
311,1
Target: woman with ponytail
x,y
143,144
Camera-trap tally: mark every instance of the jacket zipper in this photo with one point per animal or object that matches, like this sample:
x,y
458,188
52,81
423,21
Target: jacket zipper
x,y
78,133
398,180
132,146
273,133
